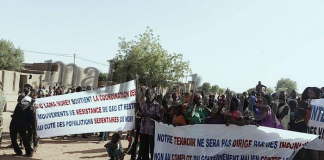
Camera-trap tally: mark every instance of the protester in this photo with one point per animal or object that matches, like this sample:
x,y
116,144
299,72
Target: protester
x,y
166,109
274,103
259,87
56,89
30,113
196,114
178,118
204,99
292,96
281,113
257,104
20,97
244,101
216,117
175,99
50,91
59,90
174,103
293,108
234,116
313,93
141,94
211,103
20,124
130,139
136,141
283,110
252,101
44,91
150,110
166,119
268,119
185,102
221,101
299,125
40,94
114,148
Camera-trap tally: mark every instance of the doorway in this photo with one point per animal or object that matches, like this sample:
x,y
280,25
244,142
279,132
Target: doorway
x,y
22,82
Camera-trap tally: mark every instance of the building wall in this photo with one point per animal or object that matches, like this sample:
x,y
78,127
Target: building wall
x,y
67,76
35,81
11,80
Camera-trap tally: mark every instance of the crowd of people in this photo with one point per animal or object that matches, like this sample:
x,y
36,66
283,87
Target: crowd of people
x,y
279,110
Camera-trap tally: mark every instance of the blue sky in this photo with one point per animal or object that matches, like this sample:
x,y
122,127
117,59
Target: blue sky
x,y
230,43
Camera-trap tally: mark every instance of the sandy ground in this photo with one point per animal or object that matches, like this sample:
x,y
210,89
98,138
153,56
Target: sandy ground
x,y
72,148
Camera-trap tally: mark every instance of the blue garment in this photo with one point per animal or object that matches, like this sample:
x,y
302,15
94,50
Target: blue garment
x,y
292,114
115,153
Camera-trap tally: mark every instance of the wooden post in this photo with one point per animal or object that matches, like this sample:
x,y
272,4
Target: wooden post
x,y
3,79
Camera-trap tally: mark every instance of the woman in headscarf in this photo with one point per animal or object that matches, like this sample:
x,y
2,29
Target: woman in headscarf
x,y
216,116
174,103
268,119
308,95
196,114
234,116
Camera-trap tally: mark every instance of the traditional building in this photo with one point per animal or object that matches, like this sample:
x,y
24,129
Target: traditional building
x,y
45,74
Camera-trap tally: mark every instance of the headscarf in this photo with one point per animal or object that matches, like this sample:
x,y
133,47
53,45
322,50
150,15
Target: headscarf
x,y
270,120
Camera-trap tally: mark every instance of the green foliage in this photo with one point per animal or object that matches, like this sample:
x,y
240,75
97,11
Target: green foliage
x,y
11,58
103,76
146,58
250,90
221,91
286,84
215,89
270,90
206,87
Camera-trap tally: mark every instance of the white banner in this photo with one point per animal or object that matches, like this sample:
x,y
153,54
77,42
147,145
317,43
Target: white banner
x,y
219,142
87,112
316,125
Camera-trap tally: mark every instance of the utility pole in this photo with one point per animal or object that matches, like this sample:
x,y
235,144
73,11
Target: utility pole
x,y
73,71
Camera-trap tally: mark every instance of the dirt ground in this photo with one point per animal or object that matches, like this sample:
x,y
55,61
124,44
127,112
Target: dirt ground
x,y
70,149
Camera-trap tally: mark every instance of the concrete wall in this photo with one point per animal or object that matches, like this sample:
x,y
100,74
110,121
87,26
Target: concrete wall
x,y
41,67
11,80
35,81
67,76
64,77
